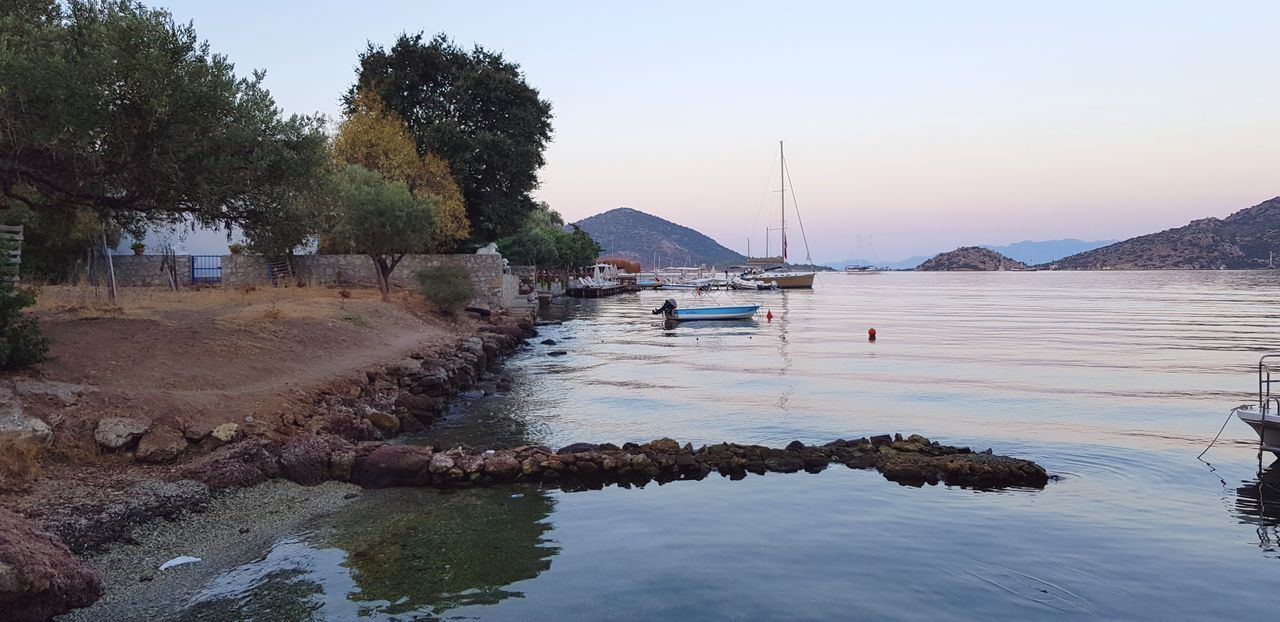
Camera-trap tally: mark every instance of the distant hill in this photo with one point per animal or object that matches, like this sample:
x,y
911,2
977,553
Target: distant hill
x,y
906,264
635,235
1032,253
970,259
1242,240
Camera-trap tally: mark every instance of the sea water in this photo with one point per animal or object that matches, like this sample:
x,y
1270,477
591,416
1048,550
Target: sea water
x,y
1113,381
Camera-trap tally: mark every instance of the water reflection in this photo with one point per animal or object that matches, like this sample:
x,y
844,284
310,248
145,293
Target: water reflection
x,y
399,554
1257,503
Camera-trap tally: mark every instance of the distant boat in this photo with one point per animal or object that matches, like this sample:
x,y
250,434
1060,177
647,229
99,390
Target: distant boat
x,y
862,270
772,269
670,311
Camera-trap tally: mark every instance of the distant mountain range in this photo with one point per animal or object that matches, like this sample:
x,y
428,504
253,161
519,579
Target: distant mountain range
x,y
1242,240
635,235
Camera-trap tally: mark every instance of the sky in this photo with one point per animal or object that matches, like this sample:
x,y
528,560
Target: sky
x,y
910,128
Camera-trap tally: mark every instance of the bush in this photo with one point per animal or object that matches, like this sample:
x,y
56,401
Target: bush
x,y
21,342
449,288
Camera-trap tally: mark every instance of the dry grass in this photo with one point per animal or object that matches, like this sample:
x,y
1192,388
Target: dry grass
x,y
241,304
19,464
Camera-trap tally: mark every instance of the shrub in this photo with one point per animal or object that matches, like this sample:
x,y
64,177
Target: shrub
x,y
449,288
21,342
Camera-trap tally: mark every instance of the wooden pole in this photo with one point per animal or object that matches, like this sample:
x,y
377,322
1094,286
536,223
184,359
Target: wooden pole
x,y
111,270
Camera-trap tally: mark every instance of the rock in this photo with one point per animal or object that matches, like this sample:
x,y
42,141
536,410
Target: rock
x,y
16,425
440,463
665,445
393,465
578,448
348,426
238,465
405,367
64,393
388,425
557,353
548,342
39,576
161,445
501,467
225,432
795,446
308,461
196,431
119,432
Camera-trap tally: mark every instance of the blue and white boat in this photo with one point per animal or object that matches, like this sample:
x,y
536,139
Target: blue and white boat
x,y
725,312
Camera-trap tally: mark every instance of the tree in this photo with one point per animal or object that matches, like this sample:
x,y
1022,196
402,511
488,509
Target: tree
x,y
475,110
576,249
531,246
109,106
380,218
376,138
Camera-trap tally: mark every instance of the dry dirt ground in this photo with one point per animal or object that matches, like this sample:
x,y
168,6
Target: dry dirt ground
x,y
204,357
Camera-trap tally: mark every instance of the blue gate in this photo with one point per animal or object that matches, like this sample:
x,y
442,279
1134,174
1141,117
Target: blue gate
x,y
206,269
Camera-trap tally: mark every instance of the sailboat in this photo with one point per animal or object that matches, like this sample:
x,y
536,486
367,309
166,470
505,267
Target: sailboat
x,y
773,269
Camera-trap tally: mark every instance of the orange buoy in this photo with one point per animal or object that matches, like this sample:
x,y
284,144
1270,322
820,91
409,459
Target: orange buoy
x,y
871,334
769,315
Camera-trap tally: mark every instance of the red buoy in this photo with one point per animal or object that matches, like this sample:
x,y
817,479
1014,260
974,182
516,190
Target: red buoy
x,y
768,315
871,334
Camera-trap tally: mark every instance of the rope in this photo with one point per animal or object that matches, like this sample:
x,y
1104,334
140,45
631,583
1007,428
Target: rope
x,y
1215,437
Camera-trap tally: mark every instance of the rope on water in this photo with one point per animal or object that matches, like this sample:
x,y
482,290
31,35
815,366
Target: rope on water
x,y
1215,436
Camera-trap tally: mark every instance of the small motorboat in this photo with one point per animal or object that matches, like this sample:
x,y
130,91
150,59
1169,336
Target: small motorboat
x,y
741,283
1264,416
727,312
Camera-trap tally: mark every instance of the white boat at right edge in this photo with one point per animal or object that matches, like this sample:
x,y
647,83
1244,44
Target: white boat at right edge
x,y
1264,416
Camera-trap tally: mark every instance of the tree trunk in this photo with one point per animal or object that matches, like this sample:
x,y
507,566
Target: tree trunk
x,y
384,274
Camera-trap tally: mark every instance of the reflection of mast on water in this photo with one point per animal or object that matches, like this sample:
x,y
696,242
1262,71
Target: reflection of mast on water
x,y
783,321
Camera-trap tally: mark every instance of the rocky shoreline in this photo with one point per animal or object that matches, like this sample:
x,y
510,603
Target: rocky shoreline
x,y
349,439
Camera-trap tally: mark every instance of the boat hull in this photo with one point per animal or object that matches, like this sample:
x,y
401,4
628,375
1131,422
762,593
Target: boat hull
x,y
1267,425
790,280
740,312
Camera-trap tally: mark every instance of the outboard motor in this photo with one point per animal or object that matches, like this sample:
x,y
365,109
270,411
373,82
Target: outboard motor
x,y
669,305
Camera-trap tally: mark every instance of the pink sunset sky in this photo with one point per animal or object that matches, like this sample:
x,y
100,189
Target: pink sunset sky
x,y
922,126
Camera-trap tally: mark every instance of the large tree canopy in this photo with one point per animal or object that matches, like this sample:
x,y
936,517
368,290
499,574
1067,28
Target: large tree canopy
x,y
376,138
473,109
111,106
542,241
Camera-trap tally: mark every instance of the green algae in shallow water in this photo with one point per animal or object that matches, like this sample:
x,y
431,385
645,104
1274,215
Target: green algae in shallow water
x,y
441,551
396,552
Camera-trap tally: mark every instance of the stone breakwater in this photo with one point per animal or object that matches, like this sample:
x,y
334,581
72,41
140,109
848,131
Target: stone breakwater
x,y
914,460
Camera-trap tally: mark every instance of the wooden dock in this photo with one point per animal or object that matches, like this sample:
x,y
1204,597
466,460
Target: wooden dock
x,y
599,292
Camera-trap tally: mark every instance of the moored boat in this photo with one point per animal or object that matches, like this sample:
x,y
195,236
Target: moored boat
x,y
670,311
1264,416
777,272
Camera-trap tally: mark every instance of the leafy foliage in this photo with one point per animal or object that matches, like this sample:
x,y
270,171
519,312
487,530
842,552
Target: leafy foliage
x,y
379,218
474,110
109,106
21,342
543,241
57,241
376,138
449,288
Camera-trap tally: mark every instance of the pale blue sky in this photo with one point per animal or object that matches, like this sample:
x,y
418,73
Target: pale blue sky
x,y
923,125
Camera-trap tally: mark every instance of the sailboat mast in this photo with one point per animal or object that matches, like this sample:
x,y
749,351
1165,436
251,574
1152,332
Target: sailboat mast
x,y
782,159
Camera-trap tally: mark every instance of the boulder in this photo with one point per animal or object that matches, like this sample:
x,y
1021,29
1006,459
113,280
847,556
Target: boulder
x,y
119,432
238,465
160,445
63,393
16,425
387,424
39,577
310,460
393,465
501,467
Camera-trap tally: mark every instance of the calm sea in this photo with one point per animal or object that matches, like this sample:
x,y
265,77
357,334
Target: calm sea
x,y
1114,381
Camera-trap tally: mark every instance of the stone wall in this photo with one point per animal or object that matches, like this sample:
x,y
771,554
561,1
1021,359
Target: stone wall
x,y
144,270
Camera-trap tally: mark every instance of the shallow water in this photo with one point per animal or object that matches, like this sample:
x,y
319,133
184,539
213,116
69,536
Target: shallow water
x,y
1113,380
